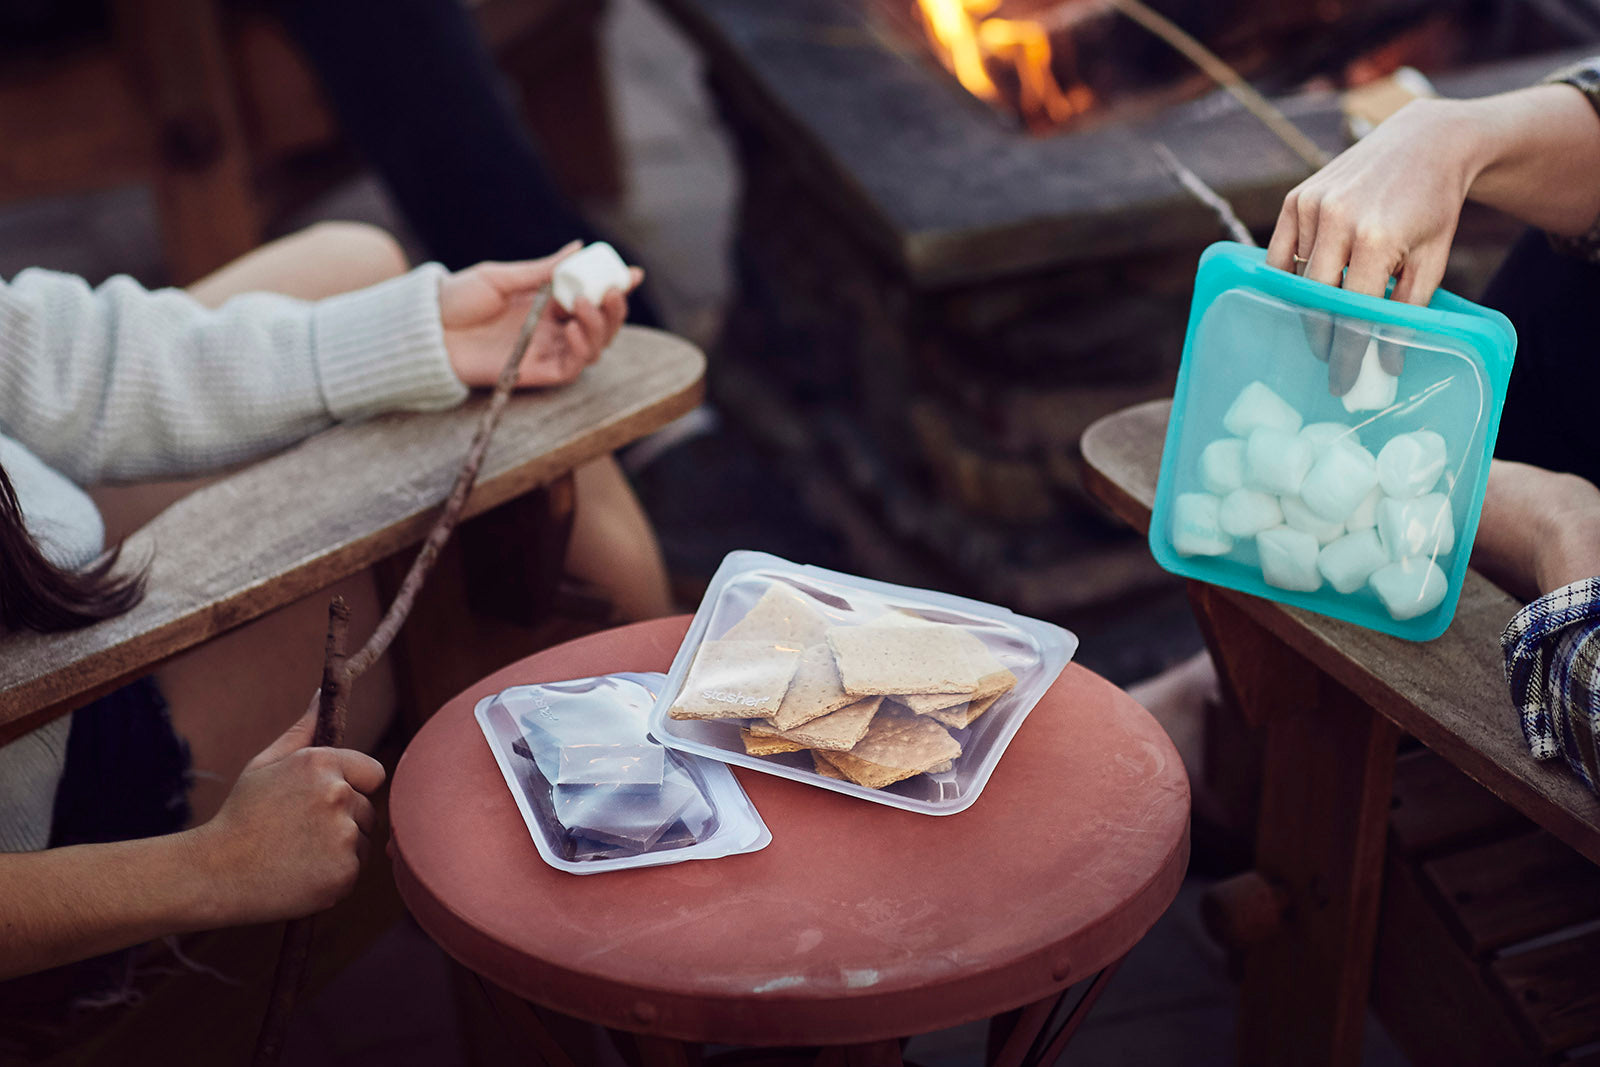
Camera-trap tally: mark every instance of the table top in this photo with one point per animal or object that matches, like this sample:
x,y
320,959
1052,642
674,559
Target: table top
x,y
1450,693
289,525
858,922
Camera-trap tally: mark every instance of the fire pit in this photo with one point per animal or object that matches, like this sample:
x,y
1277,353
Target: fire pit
x,y
935,302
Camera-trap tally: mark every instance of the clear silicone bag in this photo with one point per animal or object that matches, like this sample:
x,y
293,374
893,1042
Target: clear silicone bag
x,y
762,616
1361,505
597,793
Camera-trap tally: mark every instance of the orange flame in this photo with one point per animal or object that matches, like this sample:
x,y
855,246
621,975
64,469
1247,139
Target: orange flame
x,y
968,36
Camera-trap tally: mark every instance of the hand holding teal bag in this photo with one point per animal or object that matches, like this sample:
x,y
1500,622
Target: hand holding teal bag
x,y
1362,505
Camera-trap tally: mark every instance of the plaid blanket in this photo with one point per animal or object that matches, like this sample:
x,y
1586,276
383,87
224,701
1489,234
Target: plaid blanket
x,y
1552,650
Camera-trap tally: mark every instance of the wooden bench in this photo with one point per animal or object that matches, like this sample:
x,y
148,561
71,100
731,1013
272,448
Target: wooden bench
x,y
1332,702
285,527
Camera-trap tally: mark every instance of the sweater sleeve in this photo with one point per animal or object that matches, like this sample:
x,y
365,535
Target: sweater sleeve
x,y
120,383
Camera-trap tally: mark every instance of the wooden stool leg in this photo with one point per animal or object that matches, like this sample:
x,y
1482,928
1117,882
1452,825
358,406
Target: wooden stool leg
x,y
203,182
1326,784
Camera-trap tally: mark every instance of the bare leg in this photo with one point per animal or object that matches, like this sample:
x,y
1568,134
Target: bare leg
x,y
234,695
613,547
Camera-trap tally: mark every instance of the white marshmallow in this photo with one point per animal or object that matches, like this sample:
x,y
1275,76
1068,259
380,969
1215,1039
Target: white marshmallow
x,y
1421,527
1257,406
1275,461
1410,587
1299,517
1289,559
1410,464
1246,512
1222,466
1196,530
1374,388
1339,480
1365,516
591,273
1348,562
1319,435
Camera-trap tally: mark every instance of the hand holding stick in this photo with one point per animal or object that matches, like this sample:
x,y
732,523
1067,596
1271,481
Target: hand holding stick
x,y
339,673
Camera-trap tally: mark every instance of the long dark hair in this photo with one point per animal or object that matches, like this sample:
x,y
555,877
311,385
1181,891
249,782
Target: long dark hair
x,y
35,594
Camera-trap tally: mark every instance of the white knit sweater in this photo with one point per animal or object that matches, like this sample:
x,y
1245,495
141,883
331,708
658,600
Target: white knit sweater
x,y
118,384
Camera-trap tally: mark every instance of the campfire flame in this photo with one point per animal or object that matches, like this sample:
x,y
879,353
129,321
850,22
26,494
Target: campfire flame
x,y
967,35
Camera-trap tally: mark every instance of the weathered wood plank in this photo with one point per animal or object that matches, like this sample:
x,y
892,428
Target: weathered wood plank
x,y
1437,808
330,506
1554,988
1514,890
1449,693
1436,1003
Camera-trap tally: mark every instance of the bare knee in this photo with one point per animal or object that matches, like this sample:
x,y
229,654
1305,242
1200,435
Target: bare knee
x,y
369,254
318,262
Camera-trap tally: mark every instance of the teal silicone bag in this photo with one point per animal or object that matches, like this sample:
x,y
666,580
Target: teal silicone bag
x,y
1361,506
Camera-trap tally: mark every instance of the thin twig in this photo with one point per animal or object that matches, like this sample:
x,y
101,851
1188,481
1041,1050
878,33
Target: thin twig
x,y
296,948
339,673
1231,81
1204,193
392,620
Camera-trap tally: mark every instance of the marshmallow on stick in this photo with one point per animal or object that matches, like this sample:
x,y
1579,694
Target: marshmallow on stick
x,y
591,273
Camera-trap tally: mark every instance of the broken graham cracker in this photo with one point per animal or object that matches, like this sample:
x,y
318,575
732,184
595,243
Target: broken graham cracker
x,y
783,615
837,731
824,768
898,660
962,717
768,746
995,684
736,680
896,747
814,692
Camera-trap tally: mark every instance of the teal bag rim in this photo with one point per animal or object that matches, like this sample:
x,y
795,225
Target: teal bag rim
x,y
1485,334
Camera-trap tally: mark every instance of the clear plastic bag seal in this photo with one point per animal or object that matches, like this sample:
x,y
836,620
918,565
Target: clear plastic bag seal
x,y
597,793
1328,449
902,696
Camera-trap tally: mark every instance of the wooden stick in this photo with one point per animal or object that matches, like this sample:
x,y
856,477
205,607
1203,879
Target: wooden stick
x,y
1231,81
332,713
339,673
392,620
1205,194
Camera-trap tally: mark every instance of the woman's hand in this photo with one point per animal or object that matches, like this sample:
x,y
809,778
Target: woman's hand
x,y
1387,207
482,309
291,836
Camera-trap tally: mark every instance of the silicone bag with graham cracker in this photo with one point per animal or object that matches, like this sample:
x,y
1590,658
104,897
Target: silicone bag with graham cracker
x,y
902,696
1329,449
597,793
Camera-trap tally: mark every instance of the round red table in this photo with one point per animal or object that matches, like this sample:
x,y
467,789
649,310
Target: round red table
x,y
858,923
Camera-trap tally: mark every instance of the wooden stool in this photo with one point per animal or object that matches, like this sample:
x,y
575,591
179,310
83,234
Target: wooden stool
x,y
859,925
